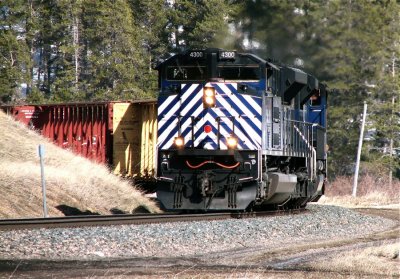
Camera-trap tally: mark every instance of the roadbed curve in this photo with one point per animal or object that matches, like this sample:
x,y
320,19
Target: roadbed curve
x,y
201,240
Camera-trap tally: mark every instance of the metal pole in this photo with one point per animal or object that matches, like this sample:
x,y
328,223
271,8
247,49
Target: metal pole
x,y
391,147
41,156
391,134
360,141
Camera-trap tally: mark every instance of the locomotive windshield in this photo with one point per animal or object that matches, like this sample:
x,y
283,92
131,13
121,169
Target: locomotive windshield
x,y
181,73
242,68
201,66
239,72
186,68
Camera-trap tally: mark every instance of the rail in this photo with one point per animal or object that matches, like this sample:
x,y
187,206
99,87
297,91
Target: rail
x,y
132,219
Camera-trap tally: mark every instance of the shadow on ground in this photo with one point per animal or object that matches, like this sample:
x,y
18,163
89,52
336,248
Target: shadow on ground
x,y
73,211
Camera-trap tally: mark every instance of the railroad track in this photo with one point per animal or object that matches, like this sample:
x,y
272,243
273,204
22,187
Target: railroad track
x,y
132,219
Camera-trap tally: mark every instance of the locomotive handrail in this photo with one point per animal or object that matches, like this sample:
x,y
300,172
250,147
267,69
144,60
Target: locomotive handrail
x,y
307,123
313,159
297,139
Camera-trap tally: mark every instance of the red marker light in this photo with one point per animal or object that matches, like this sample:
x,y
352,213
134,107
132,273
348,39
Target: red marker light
x,y
207,129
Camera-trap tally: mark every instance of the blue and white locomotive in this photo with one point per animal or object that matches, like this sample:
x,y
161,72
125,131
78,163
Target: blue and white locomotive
x,y
237,132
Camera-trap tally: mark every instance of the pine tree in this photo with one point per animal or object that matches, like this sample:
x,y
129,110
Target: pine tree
x,y
195,23
385,112
42,33
151,19
14,59
67,67
113,57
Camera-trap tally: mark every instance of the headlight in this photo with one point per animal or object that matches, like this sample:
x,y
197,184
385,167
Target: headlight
x,y
209,97
179,142
232,142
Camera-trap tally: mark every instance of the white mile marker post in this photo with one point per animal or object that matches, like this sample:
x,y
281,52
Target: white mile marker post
x,y
41,156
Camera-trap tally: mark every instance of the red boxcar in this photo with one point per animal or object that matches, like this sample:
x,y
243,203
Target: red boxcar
x,y
122,134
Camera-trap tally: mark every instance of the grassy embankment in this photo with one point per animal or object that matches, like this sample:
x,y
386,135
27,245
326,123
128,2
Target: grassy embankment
x,y
71,180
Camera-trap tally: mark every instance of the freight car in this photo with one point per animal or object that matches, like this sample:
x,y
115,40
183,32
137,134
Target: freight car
x,y
236,132
119,134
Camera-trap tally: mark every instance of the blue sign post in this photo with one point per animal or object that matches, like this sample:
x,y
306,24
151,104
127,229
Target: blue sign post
x,y
41,156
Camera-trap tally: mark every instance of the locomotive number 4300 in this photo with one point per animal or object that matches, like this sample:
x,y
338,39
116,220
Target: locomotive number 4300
x,y
196,54
227,55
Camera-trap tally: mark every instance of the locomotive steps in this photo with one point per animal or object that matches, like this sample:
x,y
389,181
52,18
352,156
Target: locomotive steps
x,y
73,183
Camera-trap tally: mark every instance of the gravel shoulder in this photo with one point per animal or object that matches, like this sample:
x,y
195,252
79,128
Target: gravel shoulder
x,y
238,247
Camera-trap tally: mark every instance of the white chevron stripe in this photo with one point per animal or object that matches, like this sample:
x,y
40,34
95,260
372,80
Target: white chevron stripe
x,y
213,136
224,87
238,132
188,92
245,110
195,99
224,132
168,115
202,137
198,125
164,105
162,137
169,142
253,103
188,121
254,135
239,103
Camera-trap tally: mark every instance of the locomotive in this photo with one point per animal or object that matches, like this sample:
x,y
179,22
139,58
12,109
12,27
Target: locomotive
x,y
237,132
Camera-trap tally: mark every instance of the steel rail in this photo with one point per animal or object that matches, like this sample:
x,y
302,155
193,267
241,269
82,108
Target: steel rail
x,y
131,219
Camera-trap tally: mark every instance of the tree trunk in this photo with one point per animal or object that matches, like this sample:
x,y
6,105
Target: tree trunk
x,y
75,34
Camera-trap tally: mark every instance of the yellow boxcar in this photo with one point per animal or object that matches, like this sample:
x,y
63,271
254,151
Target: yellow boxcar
x,y
134,138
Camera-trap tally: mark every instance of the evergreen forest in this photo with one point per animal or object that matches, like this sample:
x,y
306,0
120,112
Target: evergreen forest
x,y
97,50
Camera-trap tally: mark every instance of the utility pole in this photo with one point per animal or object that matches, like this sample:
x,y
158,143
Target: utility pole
x,y
360,141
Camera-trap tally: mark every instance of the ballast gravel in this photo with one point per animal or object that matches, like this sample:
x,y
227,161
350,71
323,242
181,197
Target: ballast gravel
x,y
188,238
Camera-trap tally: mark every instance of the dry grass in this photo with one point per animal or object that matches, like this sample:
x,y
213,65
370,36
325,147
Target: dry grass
x,y
71,180
371,191
381,261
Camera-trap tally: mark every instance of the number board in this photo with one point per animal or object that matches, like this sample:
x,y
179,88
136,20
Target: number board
x,y
226,55
196,54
